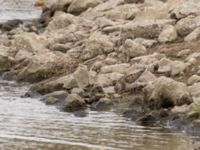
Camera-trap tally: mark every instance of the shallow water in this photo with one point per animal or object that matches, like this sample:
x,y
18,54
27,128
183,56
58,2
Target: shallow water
x,y
27,123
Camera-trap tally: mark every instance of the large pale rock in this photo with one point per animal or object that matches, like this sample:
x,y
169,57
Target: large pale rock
x,y
29,42
97,44
66,82
143,29
60,20
124,12
81,76
55,97
185,9
108,79
168,34
78,6
172,67
133,49
195,90
193,36
165,92
46,65
187,25
193,79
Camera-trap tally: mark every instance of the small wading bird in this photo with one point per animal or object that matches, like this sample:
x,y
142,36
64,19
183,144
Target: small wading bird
x,y
41,3
45,3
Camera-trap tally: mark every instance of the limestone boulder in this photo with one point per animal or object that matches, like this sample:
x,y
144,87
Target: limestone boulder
x,y
81,76
123,12
60,20
97,44
187,25
193,79
193,36
77,6
46,65
185,9
74,102
165,92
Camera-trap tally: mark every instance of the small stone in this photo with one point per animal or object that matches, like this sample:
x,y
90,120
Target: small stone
x,y
168,34
184,52
132,48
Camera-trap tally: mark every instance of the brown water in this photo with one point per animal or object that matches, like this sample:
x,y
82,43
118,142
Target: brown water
x,y
28,124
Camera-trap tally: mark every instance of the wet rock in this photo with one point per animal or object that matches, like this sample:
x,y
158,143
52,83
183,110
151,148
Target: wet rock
x,y
74,102
54,97
6,61
77,7
51,100
151,118
103,104
81,76
168,34
50,85
193,79
10,25
165,92
133,49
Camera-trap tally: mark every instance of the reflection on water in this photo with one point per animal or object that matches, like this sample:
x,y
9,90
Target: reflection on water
x,y
29,124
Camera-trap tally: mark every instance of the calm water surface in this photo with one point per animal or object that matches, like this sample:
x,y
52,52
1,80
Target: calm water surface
x,y
28,124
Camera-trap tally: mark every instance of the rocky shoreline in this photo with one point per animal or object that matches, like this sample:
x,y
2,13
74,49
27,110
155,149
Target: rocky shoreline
x,y
138,57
